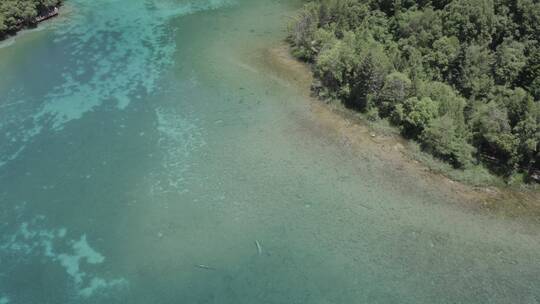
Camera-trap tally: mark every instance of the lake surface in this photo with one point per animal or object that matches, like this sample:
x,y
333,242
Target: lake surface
x,y
147,156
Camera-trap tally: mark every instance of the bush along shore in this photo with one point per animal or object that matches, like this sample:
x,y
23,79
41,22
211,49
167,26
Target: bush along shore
x,y
18,14
460,77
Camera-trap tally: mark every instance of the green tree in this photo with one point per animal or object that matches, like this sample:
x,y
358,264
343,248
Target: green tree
x,y
443,138
421,27
509,61
528,13
517,102
414,115
369,74
3,25
448,100
528,133
457,75
302,30
493,134
336,64
397,87
470,20
530,74
442,56
476,76
15,14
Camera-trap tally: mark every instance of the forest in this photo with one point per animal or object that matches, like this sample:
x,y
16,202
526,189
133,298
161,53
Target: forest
x,y
16,14
460,77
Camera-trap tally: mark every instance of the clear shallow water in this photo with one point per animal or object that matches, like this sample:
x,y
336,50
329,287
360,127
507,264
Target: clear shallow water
x,y
140,139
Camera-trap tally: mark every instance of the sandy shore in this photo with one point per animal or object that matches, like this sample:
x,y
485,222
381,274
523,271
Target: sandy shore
x,y
356,135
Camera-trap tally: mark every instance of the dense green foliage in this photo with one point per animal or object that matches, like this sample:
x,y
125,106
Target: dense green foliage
x,y
15,14
462,77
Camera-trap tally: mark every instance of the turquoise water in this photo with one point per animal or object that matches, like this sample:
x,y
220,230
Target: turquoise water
x,y
147,156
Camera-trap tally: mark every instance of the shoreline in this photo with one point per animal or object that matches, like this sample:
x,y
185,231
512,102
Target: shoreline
x,y
357,135
52,12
